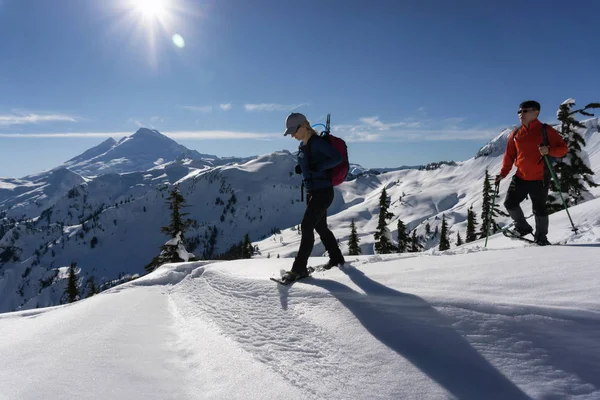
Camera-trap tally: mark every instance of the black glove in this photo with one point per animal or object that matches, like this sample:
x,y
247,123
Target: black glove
x,y
298,169
498,179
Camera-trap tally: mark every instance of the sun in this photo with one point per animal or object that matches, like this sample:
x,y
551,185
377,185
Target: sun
x,y
151,9
149,24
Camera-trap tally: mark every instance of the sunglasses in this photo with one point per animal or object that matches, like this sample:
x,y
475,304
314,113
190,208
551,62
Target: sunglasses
x,y
525,111
298,127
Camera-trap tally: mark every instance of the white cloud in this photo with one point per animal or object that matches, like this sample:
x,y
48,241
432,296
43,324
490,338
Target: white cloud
x,y
416,135
65,135
371,129
33,118
136,122
202,109
272,107
156,119
374,122
453,120
199,135
225,135
225,107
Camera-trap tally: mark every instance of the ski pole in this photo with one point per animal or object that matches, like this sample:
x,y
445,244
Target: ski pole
x,y
559,192
489,216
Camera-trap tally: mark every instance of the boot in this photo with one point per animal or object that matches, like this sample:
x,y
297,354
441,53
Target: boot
x,y
333,262
541,230
521,225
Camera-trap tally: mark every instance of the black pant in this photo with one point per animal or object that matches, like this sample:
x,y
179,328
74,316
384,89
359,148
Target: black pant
x,y
315,218
518,191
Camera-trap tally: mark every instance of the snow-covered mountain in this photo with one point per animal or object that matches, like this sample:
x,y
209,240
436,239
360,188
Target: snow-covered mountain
x,y
141,151
110,224
146,150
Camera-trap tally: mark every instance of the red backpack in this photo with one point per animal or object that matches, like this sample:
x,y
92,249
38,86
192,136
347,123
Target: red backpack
x,y
339,172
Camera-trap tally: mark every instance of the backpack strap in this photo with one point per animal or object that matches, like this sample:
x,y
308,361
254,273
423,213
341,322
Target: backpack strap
x,y
544,135
514,134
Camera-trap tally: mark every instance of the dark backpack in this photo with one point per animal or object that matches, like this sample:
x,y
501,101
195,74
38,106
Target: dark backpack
x,y
339,172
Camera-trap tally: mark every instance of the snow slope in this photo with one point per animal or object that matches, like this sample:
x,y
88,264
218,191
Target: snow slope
x,y
507,322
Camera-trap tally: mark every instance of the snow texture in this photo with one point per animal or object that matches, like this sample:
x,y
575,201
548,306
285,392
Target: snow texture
x,y
508,322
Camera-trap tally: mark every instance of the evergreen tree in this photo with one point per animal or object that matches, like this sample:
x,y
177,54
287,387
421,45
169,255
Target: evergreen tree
x,y
489,193
471,225
353,247
415,246
72,291
178,224
247,248
383,244
172,250
459,240
486,204
427,228
403,237
572,172
436,232
444,240
92,288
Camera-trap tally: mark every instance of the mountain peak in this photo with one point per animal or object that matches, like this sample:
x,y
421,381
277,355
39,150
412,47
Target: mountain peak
x,y
145,132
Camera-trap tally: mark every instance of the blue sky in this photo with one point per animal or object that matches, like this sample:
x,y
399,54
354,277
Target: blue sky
x,y
406,82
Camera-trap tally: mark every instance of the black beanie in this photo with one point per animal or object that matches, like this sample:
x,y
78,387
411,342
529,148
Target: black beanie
x,y
530,104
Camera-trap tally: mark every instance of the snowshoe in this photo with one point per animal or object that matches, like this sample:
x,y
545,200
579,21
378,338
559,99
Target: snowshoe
x,y
288,277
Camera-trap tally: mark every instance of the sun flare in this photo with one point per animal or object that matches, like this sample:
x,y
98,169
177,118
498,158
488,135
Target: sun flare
x,y
151,9
150,24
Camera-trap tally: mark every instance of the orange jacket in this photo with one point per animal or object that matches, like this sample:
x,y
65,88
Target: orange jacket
x,y
522,150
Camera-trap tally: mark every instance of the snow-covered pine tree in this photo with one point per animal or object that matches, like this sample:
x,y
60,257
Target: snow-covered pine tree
x,y
572,171
383,244
178,223
72,291
471,225
459,240
403,238
353,247
174,249
427,228
444,240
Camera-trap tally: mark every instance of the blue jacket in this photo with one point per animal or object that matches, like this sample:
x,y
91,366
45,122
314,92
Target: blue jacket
x,y
323,158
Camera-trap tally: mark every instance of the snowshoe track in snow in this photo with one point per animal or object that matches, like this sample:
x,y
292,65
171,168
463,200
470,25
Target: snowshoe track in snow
x,y
254,314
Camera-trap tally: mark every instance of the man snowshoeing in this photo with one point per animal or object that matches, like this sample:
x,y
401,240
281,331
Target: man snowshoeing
x,y
526,147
